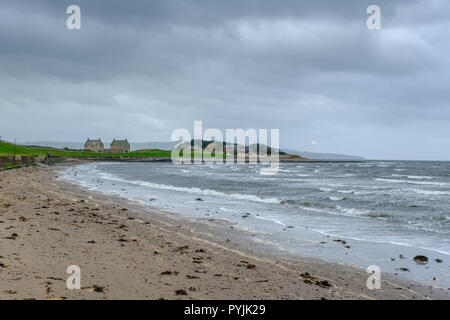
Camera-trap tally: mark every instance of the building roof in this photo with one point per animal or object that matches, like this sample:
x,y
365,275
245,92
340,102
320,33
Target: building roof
x,y
90,142
120,142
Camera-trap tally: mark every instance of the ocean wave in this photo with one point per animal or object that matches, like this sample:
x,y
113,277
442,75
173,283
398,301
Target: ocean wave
x,y
198,191
430,192
411,182
378,215
413,177
346,191
336,198
353,211
338,211
285,170
276,221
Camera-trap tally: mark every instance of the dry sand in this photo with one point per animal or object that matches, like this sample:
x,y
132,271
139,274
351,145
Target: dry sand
x,y
129,252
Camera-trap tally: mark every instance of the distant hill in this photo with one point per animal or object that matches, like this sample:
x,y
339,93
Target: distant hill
x,y
324,156
54,144
168,145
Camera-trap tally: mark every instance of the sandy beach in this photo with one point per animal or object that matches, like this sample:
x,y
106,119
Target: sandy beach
x,y
126,251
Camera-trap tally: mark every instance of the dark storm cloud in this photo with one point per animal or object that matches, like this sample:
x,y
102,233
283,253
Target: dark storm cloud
x,y
311,68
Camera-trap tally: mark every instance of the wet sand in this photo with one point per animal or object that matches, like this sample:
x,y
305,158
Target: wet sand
x,y
126,251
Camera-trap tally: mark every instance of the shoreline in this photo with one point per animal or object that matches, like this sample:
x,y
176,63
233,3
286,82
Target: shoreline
x,y
136,252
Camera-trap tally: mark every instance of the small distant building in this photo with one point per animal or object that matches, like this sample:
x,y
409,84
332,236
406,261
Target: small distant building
x,y
120,146
94,145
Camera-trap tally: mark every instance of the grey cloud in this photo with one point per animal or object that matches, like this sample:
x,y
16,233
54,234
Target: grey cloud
x,y
311,68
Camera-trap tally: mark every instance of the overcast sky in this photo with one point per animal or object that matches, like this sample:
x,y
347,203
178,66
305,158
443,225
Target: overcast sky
x,y
140,69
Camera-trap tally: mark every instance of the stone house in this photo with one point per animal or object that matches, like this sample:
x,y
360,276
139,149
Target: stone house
x,y
120,146
94,145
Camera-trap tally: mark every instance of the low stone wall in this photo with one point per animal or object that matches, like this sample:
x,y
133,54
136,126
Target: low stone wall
x,y
20,160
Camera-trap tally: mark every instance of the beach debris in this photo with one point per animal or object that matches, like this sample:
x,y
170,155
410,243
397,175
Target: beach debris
x,y
401,256
10,291
305,275
323,284
403,269
197,260
246,215
260,281
181,292
198,271
168,273
199,250
251,266
122,226
91,241
192,277
2,265
199,199
181,249
420,259
98,288
12,236
340,241
438,260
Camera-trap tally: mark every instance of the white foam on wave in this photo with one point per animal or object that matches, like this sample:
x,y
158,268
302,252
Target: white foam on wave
x,y
340,211
430,192
198,191
346,191
353,211
276,221
411,182
336,198
413,177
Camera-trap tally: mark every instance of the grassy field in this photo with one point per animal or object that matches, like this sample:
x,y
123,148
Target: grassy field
x,y
11,149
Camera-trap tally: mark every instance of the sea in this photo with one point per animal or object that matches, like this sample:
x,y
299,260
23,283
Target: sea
x,y
381,213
